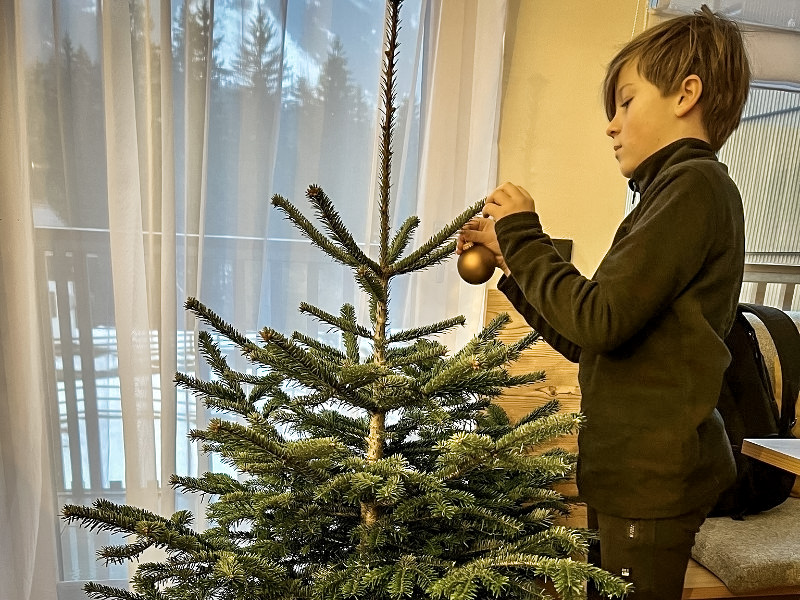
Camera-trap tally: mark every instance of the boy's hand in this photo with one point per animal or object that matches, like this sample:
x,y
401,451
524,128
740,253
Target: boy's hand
x,y
508,199
481,231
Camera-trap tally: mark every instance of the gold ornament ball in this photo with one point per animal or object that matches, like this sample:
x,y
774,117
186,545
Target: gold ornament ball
x,y
476,265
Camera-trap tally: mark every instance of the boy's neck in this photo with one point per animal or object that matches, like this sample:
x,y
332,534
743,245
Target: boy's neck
x,y
691,125
675,151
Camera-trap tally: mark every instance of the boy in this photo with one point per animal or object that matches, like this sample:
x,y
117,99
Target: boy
x,y
648,328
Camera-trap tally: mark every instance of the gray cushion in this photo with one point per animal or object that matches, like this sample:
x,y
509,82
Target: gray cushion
x,y
759,553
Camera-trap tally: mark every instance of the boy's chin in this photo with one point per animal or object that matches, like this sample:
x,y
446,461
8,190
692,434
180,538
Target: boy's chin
x,y
627,168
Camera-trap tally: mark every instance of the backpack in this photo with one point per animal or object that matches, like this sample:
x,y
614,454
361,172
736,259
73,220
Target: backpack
x,y
749,409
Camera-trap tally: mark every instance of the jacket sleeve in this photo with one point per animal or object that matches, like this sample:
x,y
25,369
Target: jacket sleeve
x,y
645,269
562,345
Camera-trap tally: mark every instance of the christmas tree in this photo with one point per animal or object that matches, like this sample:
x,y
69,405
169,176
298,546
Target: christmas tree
x,y
376,470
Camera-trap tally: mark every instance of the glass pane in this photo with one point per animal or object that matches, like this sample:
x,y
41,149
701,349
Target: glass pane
x,y
763,156
782,14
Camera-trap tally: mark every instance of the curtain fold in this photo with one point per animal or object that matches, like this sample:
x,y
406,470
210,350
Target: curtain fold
x,y
28,514
142,143
126,199
168,319
458,159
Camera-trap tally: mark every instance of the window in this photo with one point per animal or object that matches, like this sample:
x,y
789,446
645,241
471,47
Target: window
x,y
152,135
287,96
763,156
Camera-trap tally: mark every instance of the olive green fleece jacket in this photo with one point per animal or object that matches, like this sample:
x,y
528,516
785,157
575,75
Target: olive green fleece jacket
x,y
648,332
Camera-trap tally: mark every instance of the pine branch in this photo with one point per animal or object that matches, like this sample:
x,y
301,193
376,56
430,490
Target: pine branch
x,y
423,254
522,344
524,379
554,542
327,352
536,496
104,515
97,591
423,353
434,329
342,323
217,323
493,329
192,577
208,483
464,582
373,287
534,433
494,418
299,365
464,377
351,431
350,338
436,257
123,553
484,339
252,452
402,238
362,375
156,530
314,235
328,214
217,395
245,566
550,407
397,392
464,452
259,392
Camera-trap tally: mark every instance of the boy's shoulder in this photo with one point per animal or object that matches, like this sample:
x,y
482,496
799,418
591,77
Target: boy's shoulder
x,y
701,174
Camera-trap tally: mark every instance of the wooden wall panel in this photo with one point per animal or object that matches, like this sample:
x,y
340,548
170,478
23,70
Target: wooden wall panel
x,y
561,383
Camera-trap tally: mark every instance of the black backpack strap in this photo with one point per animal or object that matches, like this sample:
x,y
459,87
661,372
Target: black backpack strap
x,y
786,337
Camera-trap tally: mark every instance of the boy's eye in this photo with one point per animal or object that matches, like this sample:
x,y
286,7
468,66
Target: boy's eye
x,y
626,103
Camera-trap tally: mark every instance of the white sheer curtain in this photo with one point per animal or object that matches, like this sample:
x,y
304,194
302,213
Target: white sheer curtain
x,y
27,502
141,143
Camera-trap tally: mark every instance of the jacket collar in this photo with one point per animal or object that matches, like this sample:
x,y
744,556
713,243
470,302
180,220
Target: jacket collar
x,y
676,152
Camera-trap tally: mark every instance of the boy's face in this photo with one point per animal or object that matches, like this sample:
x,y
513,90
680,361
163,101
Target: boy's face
x,y
644,121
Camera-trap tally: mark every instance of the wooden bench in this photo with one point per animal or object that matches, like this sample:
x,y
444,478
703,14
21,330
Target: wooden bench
x,y
562,384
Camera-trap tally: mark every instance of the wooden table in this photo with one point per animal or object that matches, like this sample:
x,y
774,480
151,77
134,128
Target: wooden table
x,y
782,453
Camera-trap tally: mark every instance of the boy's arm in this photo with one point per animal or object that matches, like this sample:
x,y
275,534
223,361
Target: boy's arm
x,y
560,344
640,276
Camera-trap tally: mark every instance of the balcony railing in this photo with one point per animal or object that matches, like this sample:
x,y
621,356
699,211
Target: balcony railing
x,y
774,285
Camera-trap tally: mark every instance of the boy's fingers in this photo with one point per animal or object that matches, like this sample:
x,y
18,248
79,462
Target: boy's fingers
x,y
467,237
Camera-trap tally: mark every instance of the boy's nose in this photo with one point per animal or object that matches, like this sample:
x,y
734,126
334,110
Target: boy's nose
x,y
612,128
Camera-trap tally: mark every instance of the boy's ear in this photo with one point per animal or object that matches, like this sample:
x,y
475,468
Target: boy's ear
x,y
688,95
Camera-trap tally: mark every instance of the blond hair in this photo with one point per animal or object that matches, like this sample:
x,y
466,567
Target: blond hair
x,y
702,44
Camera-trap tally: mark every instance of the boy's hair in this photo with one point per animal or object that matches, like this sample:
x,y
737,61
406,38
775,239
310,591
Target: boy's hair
x,y
702,44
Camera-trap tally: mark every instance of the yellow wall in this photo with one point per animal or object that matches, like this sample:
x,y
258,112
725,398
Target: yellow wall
x,y
552,128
